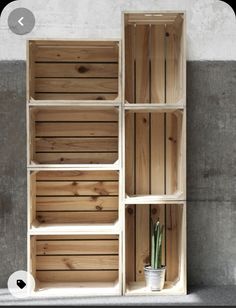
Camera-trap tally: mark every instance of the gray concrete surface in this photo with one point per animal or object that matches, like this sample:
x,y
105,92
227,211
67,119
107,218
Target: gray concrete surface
x,y
211,28
211,212
207,296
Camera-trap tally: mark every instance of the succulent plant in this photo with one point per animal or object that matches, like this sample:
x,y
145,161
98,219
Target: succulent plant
x,y
156,246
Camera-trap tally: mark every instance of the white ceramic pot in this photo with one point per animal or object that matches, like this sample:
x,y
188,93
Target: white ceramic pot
x,y
155,278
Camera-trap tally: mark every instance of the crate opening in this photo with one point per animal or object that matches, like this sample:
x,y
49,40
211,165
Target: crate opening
x,y
154,154
73,70
154,58
74,198
138,245
75,261
63,135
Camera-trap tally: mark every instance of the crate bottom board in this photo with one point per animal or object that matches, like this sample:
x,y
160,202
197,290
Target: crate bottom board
x,y
45,289
170,288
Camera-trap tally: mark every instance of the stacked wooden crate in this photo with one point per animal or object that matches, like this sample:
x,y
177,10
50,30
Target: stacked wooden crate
x,y
74,112
106,154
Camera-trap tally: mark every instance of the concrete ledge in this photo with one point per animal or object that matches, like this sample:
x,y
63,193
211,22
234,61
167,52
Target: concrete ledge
x,y
198,296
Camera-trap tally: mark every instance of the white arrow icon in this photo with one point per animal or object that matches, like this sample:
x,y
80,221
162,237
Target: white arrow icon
x,y
20,21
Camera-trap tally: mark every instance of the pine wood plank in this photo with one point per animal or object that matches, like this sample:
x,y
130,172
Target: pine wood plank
x,y
74,53
78,237
76,70
77,276
73,188
77,175
79,129
76,85
93,203
75,96
104,262
77,217
76,247
76,115
76,158
76,144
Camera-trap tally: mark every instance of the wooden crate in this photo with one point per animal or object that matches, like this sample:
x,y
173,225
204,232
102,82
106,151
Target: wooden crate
x,y
73,200
154,55
155,157
73,71
73,135
137,246
75,264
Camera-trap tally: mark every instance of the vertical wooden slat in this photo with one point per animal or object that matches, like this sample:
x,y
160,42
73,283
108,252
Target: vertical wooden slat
x,y
172,244
172,96
142,149
157,123
129,161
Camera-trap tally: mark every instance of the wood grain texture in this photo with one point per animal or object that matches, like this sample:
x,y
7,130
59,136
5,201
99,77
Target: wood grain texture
x,y
76,175
73,188
73,247
67,97
77,203
76,53
104,262
75,85
77,276
97,217
83,70
80,129
57,114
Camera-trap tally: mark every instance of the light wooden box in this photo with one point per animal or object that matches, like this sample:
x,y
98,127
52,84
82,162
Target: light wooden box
x,y
106,127
87,71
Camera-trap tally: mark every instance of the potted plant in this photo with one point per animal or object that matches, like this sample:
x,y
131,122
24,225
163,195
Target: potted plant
x,y
155,273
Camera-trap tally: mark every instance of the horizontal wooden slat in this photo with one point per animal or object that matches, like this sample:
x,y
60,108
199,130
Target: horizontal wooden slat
x,y
76,85
75,114
77,53
76,175
77,217
77,276
75,96
76,144
76,158
76,203
76,188
77,237
76,129
76,70
76,262
92,247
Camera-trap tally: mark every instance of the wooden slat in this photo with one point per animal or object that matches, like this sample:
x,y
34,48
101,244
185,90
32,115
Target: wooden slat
x,y
76,158
76,129
77,175
171,153
76,188
77,203
142,63
77,53
157,123
78,237
75,96
76,85
142,149
92,247
76,70
75,114
157,54
77,217
172,242
77,262
77,276
76,144
174,76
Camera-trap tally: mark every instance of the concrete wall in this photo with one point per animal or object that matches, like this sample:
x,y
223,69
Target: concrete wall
x,y
211,94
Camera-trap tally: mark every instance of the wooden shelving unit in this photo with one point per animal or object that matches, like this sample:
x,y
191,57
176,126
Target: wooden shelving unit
x,y
106,152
